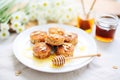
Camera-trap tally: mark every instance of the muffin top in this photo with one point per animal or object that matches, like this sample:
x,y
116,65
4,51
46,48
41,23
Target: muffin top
x,y
56,30
40,47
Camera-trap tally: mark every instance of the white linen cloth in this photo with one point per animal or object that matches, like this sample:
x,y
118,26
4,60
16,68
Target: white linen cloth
x,y
99,69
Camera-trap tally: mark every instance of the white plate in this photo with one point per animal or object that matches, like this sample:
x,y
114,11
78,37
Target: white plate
x,y
86,45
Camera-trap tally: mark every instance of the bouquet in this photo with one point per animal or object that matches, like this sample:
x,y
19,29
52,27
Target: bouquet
x,y
42,11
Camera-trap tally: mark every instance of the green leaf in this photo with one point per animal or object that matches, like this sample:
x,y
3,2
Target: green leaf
x,y
5,8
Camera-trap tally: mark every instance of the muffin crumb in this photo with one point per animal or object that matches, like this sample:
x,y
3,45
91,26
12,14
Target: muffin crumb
x,y
17,73
115,67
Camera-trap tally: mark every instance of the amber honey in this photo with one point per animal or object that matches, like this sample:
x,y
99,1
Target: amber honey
x,y
86,24
106,27
104,35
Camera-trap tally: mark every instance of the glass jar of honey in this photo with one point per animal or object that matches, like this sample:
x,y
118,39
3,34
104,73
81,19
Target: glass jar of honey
x,y
106,26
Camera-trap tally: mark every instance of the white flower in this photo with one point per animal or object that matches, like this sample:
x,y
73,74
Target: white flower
x,y
65,18
57,14
32,16
53,10
42,4
32,11
4,26
45,4
39,6
61,20
17,16
15,25
70,8
46,14
4,34
33,5
57,3
63,1
25,19
20,29
49,13
72,11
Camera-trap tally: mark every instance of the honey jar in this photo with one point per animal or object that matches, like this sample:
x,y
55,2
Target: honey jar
x,y
106,26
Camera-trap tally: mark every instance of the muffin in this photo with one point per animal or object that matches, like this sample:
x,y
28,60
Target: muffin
x,y
38,36
55,39
71,38
56,30
41,50
66,49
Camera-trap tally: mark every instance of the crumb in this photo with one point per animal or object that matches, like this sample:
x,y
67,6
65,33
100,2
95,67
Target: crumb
x,y
17,73
115,67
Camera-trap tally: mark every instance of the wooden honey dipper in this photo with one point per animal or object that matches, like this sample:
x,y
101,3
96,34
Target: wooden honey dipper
x,y
61,59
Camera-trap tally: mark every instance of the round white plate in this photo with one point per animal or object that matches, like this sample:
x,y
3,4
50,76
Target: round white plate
x,y
86,45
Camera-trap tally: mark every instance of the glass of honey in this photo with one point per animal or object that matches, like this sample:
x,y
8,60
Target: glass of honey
x,y
106,26
85,23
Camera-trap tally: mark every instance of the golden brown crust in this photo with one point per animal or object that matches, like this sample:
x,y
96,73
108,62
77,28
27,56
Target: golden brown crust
x,y
66,49
41,50
38,36
44,42
55,39
71,38
56,30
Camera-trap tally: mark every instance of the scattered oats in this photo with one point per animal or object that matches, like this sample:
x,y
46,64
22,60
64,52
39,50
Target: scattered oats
x,y
17,73
115,67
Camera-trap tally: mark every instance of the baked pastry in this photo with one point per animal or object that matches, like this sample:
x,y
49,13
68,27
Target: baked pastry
x,y
55,39
41,50
38,36
66,49
71,38
56,30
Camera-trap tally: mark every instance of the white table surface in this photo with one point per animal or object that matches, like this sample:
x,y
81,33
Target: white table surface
x,y
98,69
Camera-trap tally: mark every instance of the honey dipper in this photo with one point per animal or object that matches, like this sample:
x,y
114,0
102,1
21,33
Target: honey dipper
x,y
61,59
